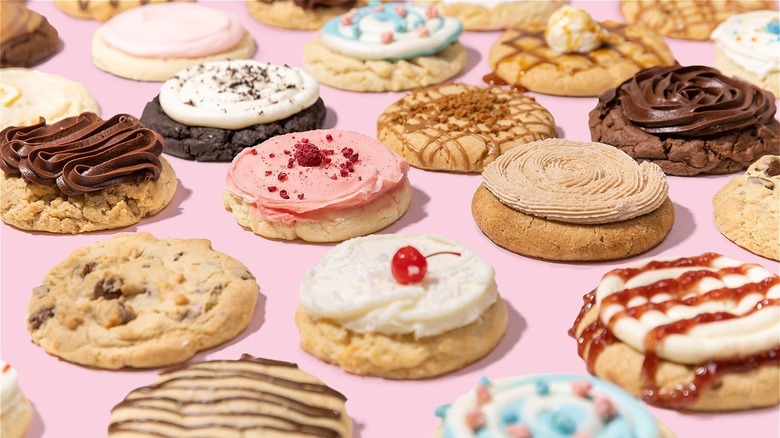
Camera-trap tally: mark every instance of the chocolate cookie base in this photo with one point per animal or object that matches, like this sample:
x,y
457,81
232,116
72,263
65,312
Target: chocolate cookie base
x,y
30,49
728,153
213,144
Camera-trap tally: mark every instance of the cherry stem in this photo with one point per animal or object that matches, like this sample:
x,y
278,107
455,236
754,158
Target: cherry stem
x,y
443,252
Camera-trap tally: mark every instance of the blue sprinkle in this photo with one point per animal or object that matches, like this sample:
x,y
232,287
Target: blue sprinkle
x,y
563,423
542,388
509,416
484,381
773,26
441,411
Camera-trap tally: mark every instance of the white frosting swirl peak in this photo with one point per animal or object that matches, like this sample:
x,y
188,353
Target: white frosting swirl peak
x,y
572,29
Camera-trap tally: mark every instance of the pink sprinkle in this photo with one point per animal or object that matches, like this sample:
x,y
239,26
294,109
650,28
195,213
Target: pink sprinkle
x,y
400,10
431,12
379,8
422,31
387,37
346,20
518,431
475,419
605,408
582,435
581,388
483,395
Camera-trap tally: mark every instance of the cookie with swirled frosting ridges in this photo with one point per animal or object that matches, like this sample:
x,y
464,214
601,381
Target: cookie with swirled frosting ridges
x,y
386,47
563,200
212,111
101,10
400,306
693,333
496,14
26,37
300,14
15,408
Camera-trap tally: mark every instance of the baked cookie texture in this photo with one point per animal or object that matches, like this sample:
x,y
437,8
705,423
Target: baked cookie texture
x,y
26,37
299,14
747,208
101,10
496,15
137,301
460,127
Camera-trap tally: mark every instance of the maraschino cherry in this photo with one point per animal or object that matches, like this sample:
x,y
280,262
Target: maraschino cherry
x,y
409,265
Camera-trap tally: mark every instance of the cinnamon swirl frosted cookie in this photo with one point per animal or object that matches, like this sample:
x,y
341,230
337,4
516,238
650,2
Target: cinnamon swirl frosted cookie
x,y
461,127
562,200
26,37
300,14
696,333
101,10
689,120
82,174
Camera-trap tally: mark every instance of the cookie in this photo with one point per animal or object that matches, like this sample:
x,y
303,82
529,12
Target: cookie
x,y
100,10
82,174
247,397
26,37
318,186
357,52
375,306
574,56
689,120
746,46
212,111
562,200
694,333
15,408
546,405
156,41
136,301
460,127
299,14
483,15
687,19
28,95
746,209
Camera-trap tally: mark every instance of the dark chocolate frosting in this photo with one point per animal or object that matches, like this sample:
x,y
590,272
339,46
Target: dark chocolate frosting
x,y
82,154
26,37
311,4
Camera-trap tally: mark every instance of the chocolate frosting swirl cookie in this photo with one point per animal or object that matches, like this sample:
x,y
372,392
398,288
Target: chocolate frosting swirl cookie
x,y
26,37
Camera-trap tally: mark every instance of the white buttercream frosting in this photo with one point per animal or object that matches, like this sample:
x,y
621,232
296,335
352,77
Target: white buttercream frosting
x,y
572,29
752,41
11,393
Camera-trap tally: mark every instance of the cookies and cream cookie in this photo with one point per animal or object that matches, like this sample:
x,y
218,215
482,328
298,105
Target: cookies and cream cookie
x,y
15,409
496,14
386,47
400,307
695,333
300,14
460,127
573,55
212,111
690,120
26,37
563,200
82,174
138,301
156,41
101,10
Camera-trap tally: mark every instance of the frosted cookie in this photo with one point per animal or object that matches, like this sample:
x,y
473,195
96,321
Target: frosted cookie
x,y
496,14
300,14
26,37
27,95
696,333
562,200
689,120
82,174
572,55
747,208
746,46
247,397
212,111
15,408
100,10
154,42
687,19
461,127
547,405
400,307
136,301
386,47
318,186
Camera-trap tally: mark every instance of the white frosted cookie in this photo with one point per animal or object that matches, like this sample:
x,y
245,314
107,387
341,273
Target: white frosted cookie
x,y
15,409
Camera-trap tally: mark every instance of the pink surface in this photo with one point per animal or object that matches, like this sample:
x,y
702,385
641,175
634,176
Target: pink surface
x,y
72,401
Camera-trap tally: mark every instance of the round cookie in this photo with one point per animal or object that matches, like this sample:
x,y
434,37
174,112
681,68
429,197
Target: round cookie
x,y
484,15
15,409
136,301
299,14
247,397
373,316
82,174
28,95
690,20
460,127
101,10
585,59
746,209
561,200
695,334
689,120
26,37
318,186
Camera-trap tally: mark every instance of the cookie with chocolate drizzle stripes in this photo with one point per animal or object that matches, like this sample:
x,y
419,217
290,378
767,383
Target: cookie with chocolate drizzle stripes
x,y
102,10
247,397
299,14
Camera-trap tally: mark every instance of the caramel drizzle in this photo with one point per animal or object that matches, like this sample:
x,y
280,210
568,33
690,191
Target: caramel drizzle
x,y
684,14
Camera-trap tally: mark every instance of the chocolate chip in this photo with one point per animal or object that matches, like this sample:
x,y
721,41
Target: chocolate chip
x,y
125,315
106,289
773,168
764,182
89,267
178,255
38,318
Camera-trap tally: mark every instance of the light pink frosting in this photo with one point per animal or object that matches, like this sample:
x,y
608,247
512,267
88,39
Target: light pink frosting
x,y
173,30
376,171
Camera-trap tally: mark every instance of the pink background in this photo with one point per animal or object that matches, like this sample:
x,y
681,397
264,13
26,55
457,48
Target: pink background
x,y
73,401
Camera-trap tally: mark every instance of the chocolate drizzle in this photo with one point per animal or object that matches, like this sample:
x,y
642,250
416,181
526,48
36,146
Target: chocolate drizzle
x,y
314,4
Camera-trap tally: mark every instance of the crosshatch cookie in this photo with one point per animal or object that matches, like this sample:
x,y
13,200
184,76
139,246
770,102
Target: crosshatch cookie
x,y
687,19
250,397
461,127
690,120
136,301
101,10
496,14
696,333
747,209
82,174
212,111
386,47
572,55
26,37
400,307
300,14
15,408
568,201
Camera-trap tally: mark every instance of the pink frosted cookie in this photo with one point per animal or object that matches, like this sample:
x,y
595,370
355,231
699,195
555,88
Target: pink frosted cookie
x,y
319,186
